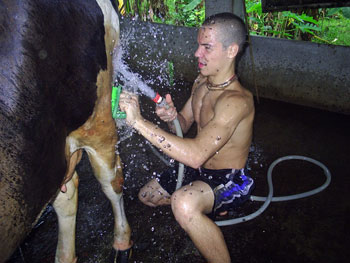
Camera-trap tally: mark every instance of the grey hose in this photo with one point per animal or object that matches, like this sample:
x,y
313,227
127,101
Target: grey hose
x,y
180,171
270,197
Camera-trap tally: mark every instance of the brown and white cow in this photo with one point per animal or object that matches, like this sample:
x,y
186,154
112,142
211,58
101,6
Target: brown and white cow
x,y
56,74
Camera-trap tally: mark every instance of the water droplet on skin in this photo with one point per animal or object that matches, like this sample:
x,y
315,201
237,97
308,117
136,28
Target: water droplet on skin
x,y
185,189
216,152
144,194
191,184
202,191
161,139
218,138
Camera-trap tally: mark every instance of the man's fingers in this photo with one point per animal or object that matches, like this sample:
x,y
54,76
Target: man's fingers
x,y
168,98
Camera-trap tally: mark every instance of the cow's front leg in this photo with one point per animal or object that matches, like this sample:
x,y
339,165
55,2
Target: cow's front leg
x,y
66,205
108,171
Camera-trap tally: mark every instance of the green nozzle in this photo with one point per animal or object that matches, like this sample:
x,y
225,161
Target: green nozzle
x,y
116,114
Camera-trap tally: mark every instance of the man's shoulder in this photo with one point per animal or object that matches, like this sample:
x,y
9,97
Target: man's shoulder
x,y
237,96
235,102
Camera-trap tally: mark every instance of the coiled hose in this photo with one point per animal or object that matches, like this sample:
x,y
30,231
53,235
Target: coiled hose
x,y
267,200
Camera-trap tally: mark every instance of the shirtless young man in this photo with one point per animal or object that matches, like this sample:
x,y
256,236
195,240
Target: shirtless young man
x,y
224,112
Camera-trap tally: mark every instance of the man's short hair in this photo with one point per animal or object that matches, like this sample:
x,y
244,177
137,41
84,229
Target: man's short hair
x,y
231,29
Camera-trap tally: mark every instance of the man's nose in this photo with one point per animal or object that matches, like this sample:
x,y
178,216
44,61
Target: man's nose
x,y
197,54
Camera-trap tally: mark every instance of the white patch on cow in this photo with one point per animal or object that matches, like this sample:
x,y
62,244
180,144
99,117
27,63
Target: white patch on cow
x,y
110,15
73,144
107,174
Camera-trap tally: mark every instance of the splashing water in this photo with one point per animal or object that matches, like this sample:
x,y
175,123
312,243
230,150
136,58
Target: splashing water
x,y
154,61
131,81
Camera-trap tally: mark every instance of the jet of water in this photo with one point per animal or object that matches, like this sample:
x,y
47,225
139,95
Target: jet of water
x,y
130,81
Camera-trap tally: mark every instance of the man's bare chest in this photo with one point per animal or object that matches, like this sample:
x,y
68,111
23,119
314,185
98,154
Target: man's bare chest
x,y
203,107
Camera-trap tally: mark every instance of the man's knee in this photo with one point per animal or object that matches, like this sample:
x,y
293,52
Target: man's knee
x,y
183,207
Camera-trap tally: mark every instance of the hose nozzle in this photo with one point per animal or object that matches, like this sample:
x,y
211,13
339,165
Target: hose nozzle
x,y
160,101
116,113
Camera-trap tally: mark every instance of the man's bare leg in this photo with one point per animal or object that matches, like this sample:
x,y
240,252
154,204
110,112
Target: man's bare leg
x,y
190,204
152,194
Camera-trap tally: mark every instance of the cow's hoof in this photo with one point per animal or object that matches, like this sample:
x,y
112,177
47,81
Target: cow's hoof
x,y
121,256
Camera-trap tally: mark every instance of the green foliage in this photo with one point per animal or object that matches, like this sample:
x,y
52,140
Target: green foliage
x,y
346,12
189,13
331,25
183,13
338,12
285,24
335,27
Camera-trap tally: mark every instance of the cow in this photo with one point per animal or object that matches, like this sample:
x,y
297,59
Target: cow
x,y
56,76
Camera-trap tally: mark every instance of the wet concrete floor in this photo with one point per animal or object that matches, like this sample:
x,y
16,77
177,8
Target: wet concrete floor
x,y
314,229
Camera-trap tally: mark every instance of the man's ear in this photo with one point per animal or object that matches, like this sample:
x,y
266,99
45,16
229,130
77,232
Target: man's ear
x,y
232,50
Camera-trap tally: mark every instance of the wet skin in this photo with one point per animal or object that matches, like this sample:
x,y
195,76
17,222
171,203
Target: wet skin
x,y
224,121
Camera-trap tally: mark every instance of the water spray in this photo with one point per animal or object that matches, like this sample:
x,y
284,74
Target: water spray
x,y
133,81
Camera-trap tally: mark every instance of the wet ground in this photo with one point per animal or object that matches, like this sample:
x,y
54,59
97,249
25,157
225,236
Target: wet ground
x,y
314,229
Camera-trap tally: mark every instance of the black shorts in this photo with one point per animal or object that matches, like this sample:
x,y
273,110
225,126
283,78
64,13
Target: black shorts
x,y
231,187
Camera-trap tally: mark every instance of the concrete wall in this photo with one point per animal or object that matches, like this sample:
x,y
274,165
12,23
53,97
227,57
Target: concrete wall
x,y
292,71
300,72
218,6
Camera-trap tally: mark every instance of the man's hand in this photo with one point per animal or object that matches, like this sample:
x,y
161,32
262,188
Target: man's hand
x,y
167,114
129,103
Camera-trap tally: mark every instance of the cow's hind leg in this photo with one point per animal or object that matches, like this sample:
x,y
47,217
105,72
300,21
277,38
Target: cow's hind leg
x,y
66,205
111,179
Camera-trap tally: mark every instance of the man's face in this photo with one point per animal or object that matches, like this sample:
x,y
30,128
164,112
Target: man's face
x,y
212,57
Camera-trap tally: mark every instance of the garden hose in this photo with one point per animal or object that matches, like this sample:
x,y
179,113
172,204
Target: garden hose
x,y
267,200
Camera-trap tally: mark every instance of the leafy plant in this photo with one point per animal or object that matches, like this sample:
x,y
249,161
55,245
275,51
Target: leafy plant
x,y
285,24
175,12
